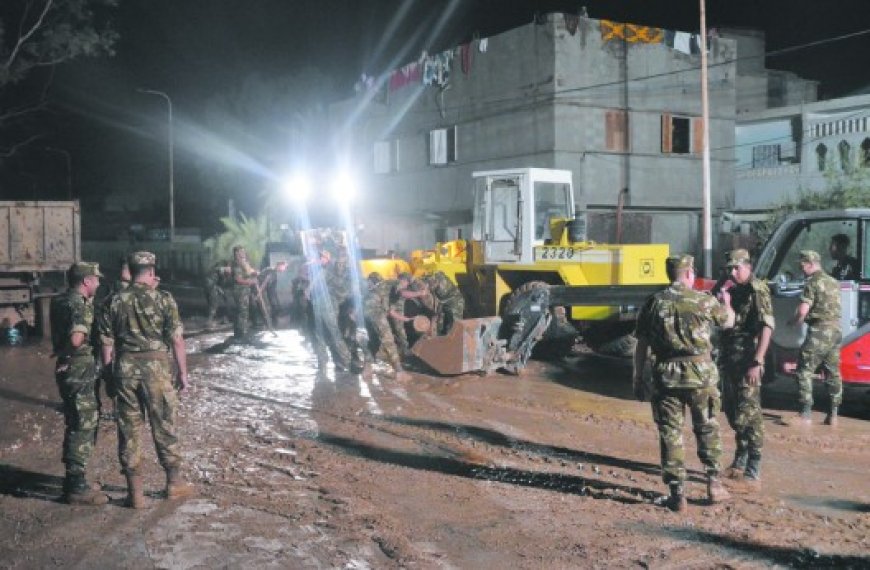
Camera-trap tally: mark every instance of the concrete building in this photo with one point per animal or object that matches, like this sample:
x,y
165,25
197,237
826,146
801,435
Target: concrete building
x,y
782,151
618,105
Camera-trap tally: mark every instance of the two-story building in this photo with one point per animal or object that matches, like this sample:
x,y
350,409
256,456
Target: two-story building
x,y
617,104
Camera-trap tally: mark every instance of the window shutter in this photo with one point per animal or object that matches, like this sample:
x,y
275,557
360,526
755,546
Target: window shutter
x,y
438,146
666,132
698,135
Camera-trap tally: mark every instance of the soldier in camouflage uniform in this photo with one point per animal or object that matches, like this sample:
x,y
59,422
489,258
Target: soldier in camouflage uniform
x,y
101,302
216,280
676,324
820,308
243,278
741,365
448,304
72,317
398,318
327,291
139,330
381,304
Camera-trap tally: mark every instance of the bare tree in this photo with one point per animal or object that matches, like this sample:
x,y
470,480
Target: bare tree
x,y
35,37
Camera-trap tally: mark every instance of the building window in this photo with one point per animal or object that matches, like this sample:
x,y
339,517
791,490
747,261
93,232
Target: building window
x,y
845,150
442,146
386,157
682,135
865,153
766,155
821,155
616,131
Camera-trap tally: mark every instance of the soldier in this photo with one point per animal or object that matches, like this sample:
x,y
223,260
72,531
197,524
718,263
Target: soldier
x,y
446,300
381,305
216,280
243,277
325,295
139,329
820,308
676,324
847,268
398,318
741,364
101,302
72,317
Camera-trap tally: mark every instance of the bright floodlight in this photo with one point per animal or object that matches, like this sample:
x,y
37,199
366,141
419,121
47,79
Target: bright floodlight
x,y
297,188
343,188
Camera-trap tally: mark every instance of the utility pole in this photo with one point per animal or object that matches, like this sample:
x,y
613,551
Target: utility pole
x,y
171,160
705,121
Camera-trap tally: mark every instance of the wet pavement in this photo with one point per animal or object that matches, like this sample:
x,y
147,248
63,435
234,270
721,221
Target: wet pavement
x,y
297,467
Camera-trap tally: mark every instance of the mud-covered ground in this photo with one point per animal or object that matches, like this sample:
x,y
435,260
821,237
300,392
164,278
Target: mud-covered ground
x,y
557,468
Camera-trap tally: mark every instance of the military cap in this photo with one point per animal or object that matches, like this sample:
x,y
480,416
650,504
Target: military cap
x,y
810,256
682,261
404,276
143,259
738,256
84,269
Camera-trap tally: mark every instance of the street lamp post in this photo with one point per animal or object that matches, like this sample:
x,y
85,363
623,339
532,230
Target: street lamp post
x,y
68,159
171,172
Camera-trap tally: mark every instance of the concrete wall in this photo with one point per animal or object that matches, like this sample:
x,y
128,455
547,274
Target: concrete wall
x,y
538,97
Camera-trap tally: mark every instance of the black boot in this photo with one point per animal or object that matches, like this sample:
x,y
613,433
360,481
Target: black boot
x,y
803,418
738,466
752,475
77,491
831,418
677,499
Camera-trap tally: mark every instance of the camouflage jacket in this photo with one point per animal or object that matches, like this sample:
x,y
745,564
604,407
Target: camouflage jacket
x,y
677,323
239,271
753,311
822,293
140,319
338,282
382,297
442,287
217,276
70,313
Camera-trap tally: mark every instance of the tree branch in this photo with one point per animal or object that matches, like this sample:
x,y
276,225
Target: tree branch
x,y
6,153
24,38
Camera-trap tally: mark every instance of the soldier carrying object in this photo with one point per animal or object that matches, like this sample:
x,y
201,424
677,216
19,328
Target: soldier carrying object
x,y
243,278
139,330
75,371
820,308
397,316
326,294
381,305
741,365
676,324
449,305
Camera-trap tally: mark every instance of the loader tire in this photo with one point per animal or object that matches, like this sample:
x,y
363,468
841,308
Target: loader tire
x,y
560,336
611,339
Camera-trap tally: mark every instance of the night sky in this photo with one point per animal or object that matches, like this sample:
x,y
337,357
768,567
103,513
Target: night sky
x,y
227,56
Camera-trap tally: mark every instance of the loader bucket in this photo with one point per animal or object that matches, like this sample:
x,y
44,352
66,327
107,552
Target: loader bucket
x,y
471,345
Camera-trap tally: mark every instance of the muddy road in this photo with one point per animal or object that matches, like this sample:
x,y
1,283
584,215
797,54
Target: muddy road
x,y
557,468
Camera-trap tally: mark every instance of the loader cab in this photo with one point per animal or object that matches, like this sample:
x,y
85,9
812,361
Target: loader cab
x,y
513,209
778,265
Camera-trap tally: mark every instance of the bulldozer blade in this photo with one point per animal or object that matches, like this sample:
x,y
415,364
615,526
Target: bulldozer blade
x,y
472,345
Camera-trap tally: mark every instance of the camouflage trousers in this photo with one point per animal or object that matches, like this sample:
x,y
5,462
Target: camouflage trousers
x,y
327,337
242,322
76,382
144,382
740,401
452,310
382,343
668,407
214,295
821,348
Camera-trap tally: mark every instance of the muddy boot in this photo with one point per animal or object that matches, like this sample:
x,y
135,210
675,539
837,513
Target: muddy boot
x,y
77,491
752,475
135,495
804,418
176,486
716,493
831,418
738,466
677,499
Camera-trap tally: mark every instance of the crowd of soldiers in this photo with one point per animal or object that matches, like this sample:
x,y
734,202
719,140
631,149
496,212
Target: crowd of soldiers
x,y
676,326
130,339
